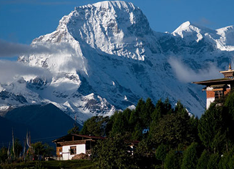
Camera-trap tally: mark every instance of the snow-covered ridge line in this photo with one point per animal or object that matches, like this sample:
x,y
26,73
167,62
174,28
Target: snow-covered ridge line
x,y
115,58
222,38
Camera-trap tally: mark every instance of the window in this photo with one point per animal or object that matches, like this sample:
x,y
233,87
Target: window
x,y
73,150
218,94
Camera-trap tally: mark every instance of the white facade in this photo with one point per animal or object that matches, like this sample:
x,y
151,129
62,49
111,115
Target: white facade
x,y
209,101
66,154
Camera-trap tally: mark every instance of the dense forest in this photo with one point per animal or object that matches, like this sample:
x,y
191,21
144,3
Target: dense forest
x,y
165,137
159,136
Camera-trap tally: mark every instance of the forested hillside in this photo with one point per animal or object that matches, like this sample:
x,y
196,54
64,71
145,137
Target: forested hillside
x,y
175,139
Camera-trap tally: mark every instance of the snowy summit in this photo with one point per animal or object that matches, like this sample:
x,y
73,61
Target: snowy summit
x,y
107,58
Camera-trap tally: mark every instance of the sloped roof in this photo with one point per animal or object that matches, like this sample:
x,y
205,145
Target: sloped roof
x,y
215,81
79,135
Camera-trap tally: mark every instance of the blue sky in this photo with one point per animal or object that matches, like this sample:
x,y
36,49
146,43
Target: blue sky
x,y
23,20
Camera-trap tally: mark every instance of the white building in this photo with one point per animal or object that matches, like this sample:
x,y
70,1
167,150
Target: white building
x,y
72,144
216,89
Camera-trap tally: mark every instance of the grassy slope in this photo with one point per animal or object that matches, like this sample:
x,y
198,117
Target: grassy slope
x,y
74,164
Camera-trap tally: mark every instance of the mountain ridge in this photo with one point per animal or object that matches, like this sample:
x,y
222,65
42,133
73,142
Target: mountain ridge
x,y
113,58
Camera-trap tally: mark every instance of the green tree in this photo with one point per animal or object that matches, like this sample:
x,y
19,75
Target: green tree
x,y
158,111
161,153
143,155
213,162
140,107
213,128
137,132
120,124
3,154
137,116
229,103
226,160
231,162
173,129
194,128
203,160
146,113
113,153
133,118
95,126
167,106
190,157
74,130
223,163
229,121
127,114
173,160
180,108
42,149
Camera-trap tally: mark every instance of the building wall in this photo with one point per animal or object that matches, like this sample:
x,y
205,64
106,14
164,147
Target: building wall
x,y
227,91
58,151
210,94
209,101
80,148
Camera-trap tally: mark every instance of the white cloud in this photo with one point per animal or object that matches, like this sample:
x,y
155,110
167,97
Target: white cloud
x,y
14,49
11,71
186,74
60,53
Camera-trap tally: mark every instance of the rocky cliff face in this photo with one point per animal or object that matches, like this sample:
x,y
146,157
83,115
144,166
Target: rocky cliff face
x,y
110,58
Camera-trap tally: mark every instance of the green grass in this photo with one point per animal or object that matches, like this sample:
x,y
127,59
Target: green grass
x,y
71,164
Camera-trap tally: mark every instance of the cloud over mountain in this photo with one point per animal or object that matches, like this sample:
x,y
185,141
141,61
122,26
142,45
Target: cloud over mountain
x,y
15,49
104,56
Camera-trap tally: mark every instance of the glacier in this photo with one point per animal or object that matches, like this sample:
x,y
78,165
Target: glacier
x,y
111,58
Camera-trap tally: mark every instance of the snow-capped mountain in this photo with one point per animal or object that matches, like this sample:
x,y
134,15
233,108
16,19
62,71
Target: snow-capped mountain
x,y
113,58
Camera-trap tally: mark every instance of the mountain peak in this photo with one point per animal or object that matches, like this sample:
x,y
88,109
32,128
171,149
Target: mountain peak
x,y
226,41
185,27
225,29
107,26
114,59
185,24
193,32
110,4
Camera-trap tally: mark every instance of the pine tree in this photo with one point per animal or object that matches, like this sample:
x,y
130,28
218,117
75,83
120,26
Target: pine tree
x,y
161,153
213,162
112,153
137,132
133,118
231,162
167,106
227,160
203,160
127,114
181,109
146,114
74,130
158,111
120,125
190,157
173,129
144,155
223,163
95,126
140,107
213,128
172,160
